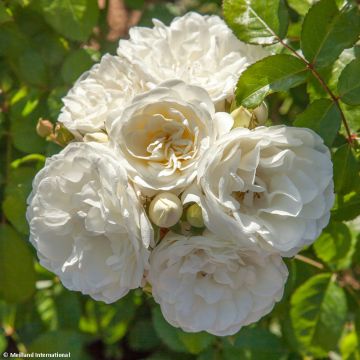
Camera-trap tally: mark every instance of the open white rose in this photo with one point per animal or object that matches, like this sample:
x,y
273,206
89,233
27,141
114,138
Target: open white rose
x,y
109,85
87,224
273,184
203,283
201,50
163,134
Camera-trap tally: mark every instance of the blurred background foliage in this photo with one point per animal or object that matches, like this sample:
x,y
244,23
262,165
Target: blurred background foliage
x,y
44,46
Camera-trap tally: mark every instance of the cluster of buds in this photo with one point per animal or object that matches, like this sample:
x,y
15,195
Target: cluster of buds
x,y
54,133
250,118
60,135
166,210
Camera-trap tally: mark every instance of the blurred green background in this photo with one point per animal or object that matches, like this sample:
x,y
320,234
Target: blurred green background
x,y
44,46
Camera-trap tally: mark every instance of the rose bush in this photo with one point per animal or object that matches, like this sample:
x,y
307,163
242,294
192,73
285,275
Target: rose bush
x,y
45,46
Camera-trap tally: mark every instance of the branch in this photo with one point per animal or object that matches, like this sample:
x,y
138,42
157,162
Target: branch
x,y
315,73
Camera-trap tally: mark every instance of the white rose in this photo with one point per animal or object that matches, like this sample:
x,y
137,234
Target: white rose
x,y
163,134
109,85
273,184
201,50
206,284
87,224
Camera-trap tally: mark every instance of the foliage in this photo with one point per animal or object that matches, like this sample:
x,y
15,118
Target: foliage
x,y
46,45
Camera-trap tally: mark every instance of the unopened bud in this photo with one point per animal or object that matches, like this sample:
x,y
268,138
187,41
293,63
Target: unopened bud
x,y
241,116
194,216
165,210
261,113
250,118
99,137
62,135
44,128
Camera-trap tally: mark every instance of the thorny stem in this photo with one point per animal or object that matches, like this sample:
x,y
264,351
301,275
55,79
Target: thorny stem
x,y
315,73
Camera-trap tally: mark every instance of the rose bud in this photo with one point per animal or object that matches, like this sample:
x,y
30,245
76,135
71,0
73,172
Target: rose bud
x,y
194,216
165,210
250,118
62,135
44,128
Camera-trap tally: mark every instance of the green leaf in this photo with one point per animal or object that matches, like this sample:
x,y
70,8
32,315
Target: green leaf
x,y
346,171
254,343
271,74
348,209
210,354
68,309
322,116
32,69
352,116
16,192
75,19
167,333
196,342
327,32
257,22
45,307
333,244
51,47
16,267
3,342
25,111
75,64
111,321
330,74
14,208
301,7
349,347
143,336
54,102
357,322
318,313
12,41
5,15
166,355
178,340
62,341
349,83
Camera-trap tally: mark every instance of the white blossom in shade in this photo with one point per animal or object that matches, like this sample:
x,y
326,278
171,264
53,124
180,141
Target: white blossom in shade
x,y
87,224
273,184
163,133
200,50
203,283
109,85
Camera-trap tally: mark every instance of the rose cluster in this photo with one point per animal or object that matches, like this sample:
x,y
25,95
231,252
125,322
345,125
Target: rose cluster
x,y
162,187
